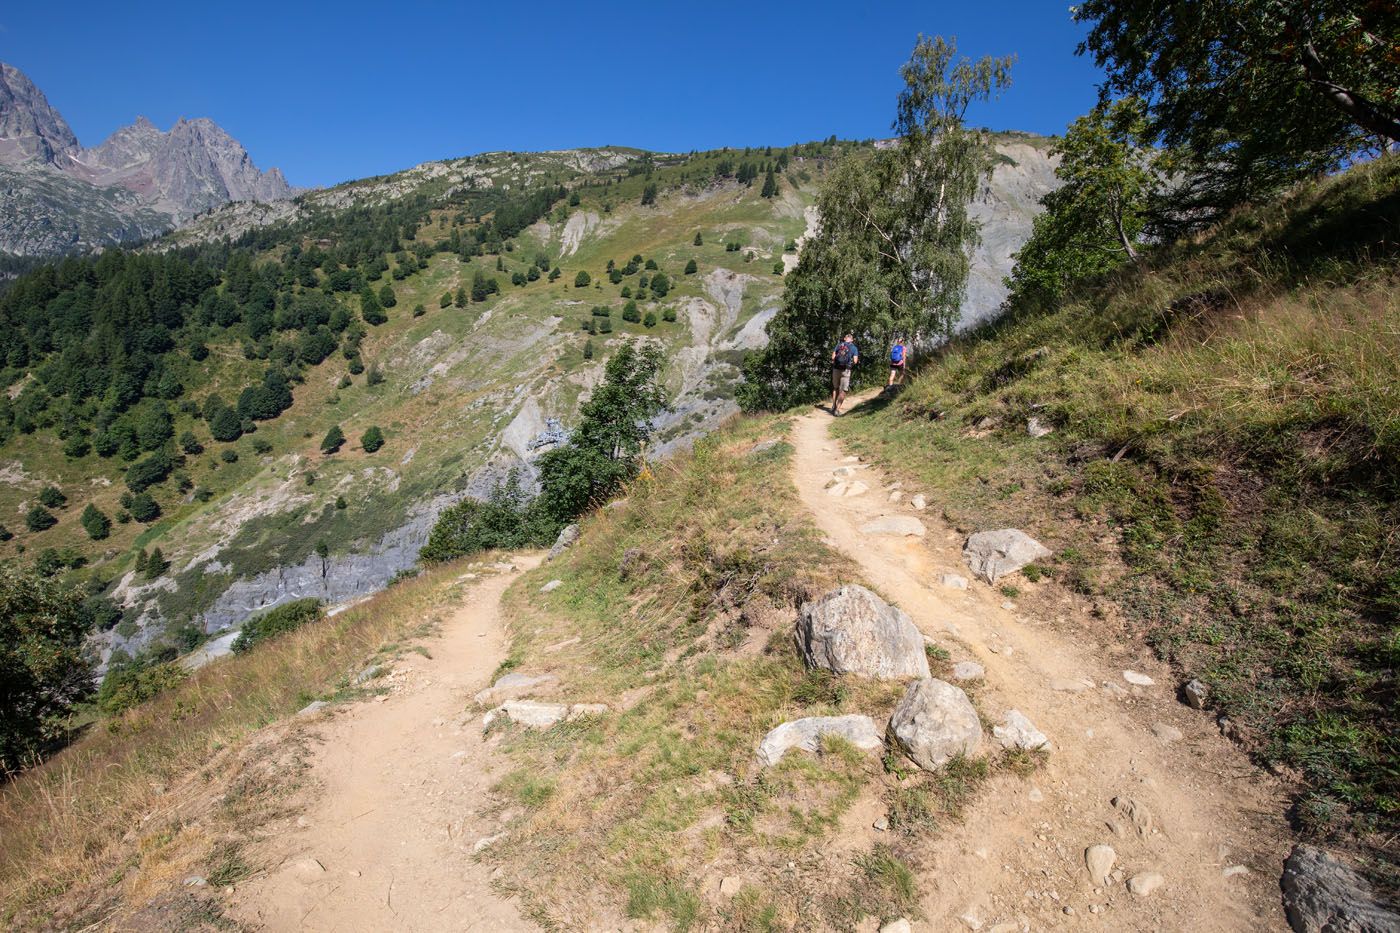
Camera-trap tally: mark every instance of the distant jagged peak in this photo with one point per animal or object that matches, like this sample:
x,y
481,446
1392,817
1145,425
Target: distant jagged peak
x,y
30,129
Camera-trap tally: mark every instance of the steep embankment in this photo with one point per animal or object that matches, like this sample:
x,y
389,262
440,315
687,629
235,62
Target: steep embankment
x,y
1208,445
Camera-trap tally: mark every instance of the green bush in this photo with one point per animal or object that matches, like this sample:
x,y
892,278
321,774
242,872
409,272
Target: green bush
x,y
372,439
52,497
39,518
128,685
95,522
333,441
506,521
277,621
144,507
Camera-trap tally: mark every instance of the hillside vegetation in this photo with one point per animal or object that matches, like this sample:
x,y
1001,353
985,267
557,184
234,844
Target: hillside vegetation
x,y
1221,479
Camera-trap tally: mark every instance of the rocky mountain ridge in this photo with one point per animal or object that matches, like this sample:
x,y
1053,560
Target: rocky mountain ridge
x,y
58,197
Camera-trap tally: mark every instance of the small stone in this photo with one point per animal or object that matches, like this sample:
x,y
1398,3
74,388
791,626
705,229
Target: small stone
x,y
1166,733
303,822
586,711
1037,428
881,824
895,496
954,581
918,503
730,886
1018,732
308,870
1069,911
844,472
971,921
894,486
994,554
1035,796
1008,605
897,926
515,684
1138,813
1145,883
551,586
566,539
1071,684
898,526
935,721
487,842
1138,680
1099,860
1195,694
529,713
968,670
368,674
312,708
856,488
1094,908
195,881
1234,870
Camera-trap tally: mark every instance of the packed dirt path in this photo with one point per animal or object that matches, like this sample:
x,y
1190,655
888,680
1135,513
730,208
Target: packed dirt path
x,y
398,788
1017,861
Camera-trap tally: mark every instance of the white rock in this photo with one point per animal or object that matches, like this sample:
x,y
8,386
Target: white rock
x,y
895,496
918,503
730,886
1166,733
1145,883
935,721
487,842
896,926
512,685
551,586
312,708
1234,870
586,711
1018,732
807,734
855,488
1196,694
900,526
994,554
954,581
968,670
1071,684
529,713
1099,860
1037,428
853,631
1138,680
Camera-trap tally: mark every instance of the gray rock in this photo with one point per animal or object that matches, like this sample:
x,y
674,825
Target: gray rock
x,y
1321,895
566,540
968,670
896,926
486,842
807,735
510,686
902,526
551,586
762,447
730,886
1018,732
994,554
632,560
368,674
1145,883
529,713
918,503
1136,812
1099,860
312,708
586,711
935,721
853,631
1195,694
1166,733
1035,427
1138,680
881,824
954,581
195,881
896,495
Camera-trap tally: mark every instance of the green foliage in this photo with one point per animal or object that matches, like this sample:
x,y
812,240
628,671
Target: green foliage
x,y
630,313
132,683
156,564
144,507
39,518
892,254
95,522
691,267
52,497
582,280
43,668
372,439
280,620
669,315
419,310
649,195
699,240
333,441
387,298
228,455
1249,96
660,285
190,444
650,319
506,520
770,185
226,426
1094,221
153,469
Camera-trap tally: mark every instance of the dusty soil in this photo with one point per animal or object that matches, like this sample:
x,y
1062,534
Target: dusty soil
x,y
399,796
1017,861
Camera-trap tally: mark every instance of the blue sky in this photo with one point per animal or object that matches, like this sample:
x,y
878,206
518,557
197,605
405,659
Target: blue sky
x,y
330,92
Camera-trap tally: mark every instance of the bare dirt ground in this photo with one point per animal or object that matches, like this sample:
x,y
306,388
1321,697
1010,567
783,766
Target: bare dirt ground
x,y
399,797
1017,861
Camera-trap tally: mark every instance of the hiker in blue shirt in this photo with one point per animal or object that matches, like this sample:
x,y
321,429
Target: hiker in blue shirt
x,y
843,359
899,361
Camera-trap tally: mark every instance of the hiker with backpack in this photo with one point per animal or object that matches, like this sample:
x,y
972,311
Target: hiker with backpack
x,y
899,359
843,360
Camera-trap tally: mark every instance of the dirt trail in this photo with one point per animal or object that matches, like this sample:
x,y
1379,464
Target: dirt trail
x,y
1017,861
400,784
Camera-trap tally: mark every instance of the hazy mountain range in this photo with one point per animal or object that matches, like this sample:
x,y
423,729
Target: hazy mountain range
x,y
57,196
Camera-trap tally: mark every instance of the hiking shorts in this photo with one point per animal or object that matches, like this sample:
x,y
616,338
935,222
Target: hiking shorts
x,y
840,379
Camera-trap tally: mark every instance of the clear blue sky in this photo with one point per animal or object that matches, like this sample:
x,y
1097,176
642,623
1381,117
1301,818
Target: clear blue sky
x,y
334,91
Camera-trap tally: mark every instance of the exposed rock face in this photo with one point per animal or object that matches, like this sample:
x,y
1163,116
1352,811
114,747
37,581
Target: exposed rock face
x,y
935,721
1321,895
138,183
807,734
994,554
853,631
566,540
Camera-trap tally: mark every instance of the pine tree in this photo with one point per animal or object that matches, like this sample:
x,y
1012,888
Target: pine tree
x,y
156,564
52,497
39,518
588,349
582,280
333,441
372,439
691,267
699,240
460,300
445,300
387,298
770,185
95,522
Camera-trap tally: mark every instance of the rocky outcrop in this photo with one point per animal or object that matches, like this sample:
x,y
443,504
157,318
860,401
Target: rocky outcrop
x,y
935,721
994,554
807,734
1321,895
853,631
567,537
30,129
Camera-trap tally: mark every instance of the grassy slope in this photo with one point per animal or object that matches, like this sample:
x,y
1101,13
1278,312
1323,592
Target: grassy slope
x,y
677,609
264,514
1223,474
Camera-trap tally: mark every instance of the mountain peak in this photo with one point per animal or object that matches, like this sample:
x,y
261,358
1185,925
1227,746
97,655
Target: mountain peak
x,y
30,129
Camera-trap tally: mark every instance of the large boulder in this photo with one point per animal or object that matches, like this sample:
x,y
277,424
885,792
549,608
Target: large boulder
x,y
807,734
510,686
566,540
994,554
531,714
853,631
935,721
1321,895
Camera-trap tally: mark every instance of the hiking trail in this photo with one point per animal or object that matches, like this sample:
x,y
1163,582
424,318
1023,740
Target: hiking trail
x,y
398,788
1017,859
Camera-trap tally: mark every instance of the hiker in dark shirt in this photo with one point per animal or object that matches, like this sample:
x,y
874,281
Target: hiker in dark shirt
x,y
843,359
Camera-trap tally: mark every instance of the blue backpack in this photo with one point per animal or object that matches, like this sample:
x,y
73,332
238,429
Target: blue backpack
x,y
897,354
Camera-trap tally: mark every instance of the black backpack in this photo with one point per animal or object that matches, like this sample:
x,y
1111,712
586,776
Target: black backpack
x,y
844,354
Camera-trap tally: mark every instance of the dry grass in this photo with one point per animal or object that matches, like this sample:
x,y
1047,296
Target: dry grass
x,y
145,798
